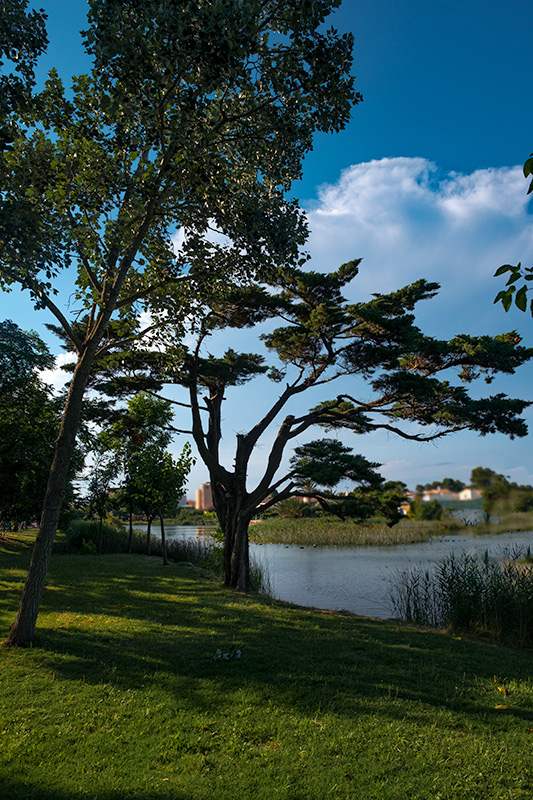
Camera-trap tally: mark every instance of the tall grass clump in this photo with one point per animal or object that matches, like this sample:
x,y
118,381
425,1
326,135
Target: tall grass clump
x,y
333,531
467,593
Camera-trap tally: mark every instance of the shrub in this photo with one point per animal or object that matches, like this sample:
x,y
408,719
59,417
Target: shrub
x,y
83,536
426,511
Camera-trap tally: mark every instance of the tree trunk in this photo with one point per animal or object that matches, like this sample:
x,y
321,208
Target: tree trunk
x,y
100,536
148,536
23,629
130,539
163,541
236,552
230,500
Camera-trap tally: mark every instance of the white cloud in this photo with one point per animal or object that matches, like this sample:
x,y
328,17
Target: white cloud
x,y
408,220
57,377
178,240
487,191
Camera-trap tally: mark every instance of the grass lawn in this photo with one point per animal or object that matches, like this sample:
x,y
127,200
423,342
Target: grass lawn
x,y
120,696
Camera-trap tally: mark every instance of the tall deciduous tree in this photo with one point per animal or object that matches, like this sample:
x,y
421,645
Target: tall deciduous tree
x,y
102,477
390,377
196,116
499,493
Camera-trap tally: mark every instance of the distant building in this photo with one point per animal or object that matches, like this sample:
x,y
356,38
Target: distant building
x,y
446,496
469,494
438,494
204,497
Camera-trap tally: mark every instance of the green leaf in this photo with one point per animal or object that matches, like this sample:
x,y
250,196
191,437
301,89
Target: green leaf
x,y
507,300
521,298
505,268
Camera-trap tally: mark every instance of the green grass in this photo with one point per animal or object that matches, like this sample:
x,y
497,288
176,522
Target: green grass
x,y
120,696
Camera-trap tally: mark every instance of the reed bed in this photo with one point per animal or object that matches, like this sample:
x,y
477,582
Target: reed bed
x,y
506,523
471,594
324,531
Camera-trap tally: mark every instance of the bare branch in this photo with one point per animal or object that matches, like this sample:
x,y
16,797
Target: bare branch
x,y
416,437
177,430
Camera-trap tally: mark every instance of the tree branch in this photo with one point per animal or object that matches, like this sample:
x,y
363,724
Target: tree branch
x,y
416,437
35,287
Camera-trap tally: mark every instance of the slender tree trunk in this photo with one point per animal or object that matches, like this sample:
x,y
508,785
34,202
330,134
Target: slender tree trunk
x,y
23,629
130,538
100,536
163,541
148,536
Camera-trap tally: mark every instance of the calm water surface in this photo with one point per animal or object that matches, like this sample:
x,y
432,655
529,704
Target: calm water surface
x,y
356,579
180,531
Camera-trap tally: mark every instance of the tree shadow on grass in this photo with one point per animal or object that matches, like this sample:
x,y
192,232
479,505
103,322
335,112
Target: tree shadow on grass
x,y
163,625
25,790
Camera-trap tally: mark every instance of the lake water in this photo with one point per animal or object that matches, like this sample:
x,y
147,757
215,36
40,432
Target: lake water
x,y
180,531
357,579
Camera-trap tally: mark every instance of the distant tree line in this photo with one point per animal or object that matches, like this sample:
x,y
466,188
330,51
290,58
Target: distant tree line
x,y
451,484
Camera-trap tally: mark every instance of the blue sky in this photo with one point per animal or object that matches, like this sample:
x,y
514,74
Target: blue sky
x,y
424,182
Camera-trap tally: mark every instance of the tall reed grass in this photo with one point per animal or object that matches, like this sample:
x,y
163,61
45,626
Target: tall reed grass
x,y
326,531
468,593
506,522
